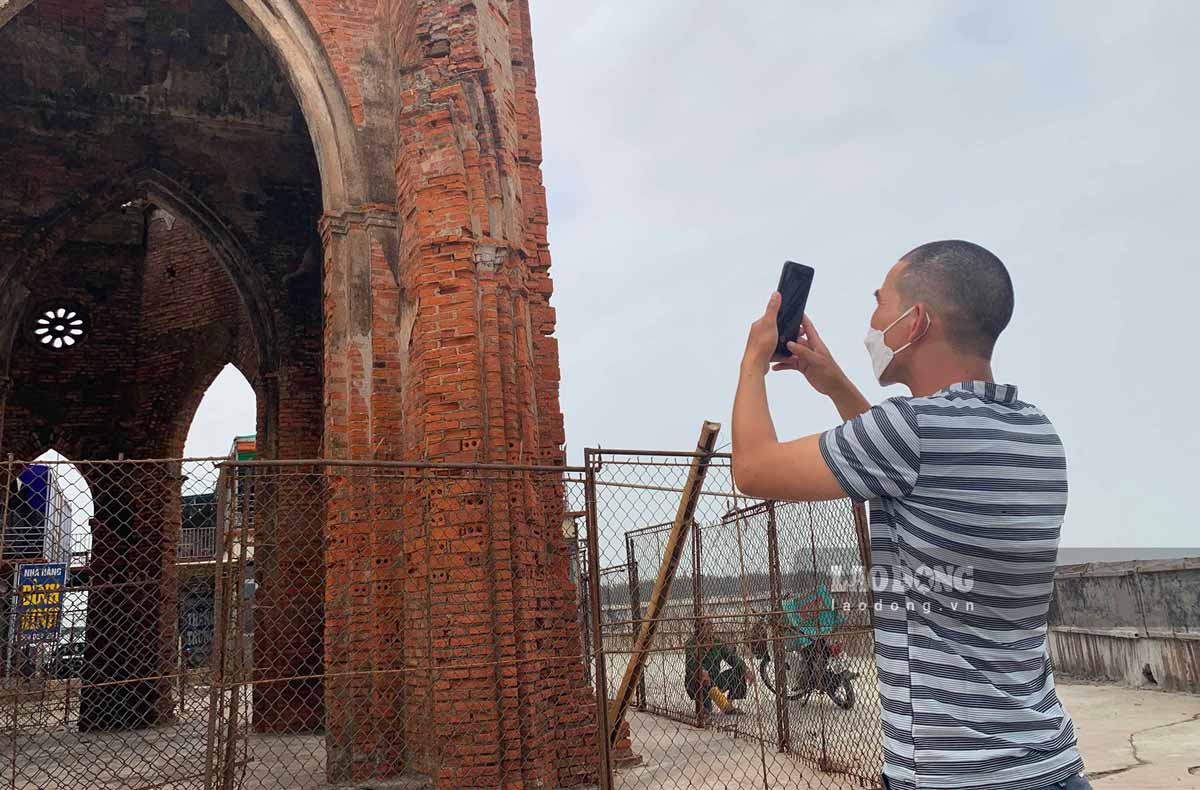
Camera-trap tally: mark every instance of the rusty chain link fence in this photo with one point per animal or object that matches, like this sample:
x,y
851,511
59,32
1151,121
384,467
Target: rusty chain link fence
x,y
309,624
108,578
212,624
782,585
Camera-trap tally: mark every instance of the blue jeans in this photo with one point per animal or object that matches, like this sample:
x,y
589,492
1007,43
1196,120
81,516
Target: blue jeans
x,y
1077,782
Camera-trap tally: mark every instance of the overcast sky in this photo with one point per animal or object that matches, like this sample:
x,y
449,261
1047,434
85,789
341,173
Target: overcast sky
x,y
691,146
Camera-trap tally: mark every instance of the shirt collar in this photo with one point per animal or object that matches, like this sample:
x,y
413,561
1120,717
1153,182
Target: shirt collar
x,y
986,390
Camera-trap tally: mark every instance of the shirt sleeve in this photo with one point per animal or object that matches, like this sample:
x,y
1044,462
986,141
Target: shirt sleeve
x,y
876,455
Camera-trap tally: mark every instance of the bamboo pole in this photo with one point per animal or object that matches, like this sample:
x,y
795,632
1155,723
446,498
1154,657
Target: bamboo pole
x,y
666,574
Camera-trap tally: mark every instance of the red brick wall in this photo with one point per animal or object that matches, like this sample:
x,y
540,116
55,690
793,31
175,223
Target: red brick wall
x,y
423,331
192,324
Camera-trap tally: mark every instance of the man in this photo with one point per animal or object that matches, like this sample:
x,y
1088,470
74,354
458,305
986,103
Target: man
x,y
703,676
968,489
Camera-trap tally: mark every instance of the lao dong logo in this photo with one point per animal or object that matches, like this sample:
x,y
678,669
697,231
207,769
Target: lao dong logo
x,y
943,579
938,578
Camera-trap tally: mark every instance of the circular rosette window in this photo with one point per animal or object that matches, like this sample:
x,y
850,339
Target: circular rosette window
x,y
59,325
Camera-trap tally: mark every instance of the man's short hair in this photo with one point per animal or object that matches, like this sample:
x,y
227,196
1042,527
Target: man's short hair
x,y
966,286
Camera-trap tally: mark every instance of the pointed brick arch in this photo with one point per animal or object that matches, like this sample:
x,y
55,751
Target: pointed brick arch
x,y
284,28
109,194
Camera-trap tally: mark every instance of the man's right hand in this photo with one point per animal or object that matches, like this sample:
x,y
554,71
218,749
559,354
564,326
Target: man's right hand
x,y
813,358
705,678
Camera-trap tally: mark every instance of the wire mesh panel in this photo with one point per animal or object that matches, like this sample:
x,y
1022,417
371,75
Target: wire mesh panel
x,y
820,562
760,669
108,618
661,689
450,650
300,624
211,624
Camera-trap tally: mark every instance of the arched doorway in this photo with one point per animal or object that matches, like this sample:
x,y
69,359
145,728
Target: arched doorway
x,y
163,188
226,412
47,515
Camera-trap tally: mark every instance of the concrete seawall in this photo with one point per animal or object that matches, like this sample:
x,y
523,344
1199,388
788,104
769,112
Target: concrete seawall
x,y
1136,622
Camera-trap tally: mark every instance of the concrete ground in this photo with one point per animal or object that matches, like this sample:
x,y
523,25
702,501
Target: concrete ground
x,y
1133,738
1130,739
679,756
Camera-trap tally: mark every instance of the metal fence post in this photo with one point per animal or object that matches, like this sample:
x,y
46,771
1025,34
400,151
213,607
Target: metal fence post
x,y
697,613
238,600
9,593
10,630
593,561
216,656
635,609
8,481
783,728
862,532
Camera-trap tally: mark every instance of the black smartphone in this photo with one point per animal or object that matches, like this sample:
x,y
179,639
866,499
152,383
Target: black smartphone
x,y
794,284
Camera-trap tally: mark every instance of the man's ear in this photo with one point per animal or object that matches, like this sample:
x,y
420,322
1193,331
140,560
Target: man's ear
x,y
922,323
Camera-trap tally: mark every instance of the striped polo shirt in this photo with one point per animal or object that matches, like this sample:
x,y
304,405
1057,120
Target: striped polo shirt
x,y
968,487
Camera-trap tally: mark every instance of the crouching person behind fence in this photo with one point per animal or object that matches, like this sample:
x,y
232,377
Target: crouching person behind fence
x,y
703,675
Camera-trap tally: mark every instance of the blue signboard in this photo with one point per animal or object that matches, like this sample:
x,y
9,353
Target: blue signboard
x,y
40,522
36,480
40,590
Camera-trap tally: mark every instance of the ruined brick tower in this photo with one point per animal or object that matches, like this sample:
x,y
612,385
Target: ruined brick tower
x,y
342,198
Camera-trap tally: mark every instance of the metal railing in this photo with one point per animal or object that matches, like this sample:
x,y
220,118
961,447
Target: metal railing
x,y
197,544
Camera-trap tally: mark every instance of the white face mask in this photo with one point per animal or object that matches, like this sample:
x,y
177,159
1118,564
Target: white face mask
x,y
877,347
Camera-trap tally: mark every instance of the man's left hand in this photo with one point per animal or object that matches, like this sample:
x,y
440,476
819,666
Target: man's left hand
x,y
764,337
750,676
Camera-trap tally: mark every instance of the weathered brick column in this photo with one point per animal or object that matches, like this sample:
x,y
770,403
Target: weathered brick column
x,y
129,658
450,637
363,657
289,562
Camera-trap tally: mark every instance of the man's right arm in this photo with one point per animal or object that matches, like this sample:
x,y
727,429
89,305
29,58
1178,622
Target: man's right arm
x,y
849,401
